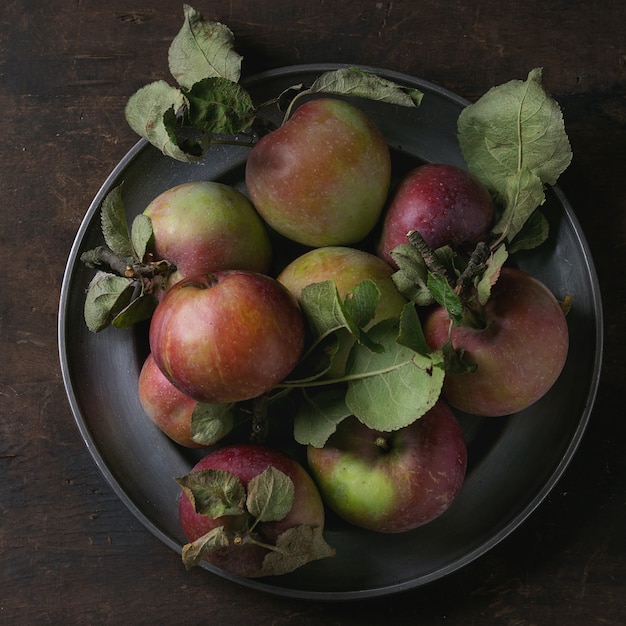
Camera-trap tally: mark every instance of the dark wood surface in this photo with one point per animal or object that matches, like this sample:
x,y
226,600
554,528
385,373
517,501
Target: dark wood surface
x,y
70,552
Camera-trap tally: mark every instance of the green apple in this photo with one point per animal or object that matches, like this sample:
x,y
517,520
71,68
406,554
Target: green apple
x,y
392,481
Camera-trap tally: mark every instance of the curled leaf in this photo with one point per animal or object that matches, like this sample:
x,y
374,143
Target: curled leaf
x,y
354,81
214,492
107,295
294,548
146,111
513,139
203,49
211,422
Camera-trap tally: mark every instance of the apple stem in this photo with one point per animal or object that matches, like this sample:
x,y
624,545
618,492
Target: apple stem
x,y
105,256
382,443
432,262
260,419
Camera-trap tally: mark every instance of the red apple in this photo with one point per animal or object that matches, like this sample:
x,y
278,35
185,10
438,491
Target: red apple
x,y
445,204
392,481
519,354
204,226
227,336
242,557
169,408
322,178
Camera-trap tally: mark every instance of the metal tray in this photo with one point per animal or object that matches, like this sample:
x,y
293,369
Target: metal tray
x,y
514,462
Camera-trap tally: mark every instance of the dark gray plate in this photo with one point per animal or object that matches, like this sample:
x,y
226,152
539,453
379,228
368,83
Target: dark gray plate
x,y
513,462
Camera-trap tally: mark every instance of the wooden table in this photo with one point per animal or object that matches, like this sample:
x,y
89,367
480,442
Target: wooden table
x,y
70,550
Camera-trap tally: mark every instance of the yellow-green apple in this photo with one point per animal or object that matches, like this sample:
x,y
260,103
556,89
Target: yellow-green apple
x,y
322,177
346,267
228,336
249,543
519,353
204,226
445,204
394,481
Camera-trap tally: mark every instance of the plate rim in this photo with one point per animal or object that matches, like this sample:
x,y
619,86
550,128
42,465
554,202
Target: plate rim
x,y
507,529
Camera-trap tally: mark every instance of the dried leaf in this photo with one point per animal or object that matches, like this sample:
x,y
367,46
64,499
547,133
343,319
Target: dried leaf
x,y
203,49
270,495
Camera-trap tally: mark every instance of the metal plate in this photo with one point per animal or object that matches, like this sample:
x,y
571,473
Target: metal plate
x,y
514,462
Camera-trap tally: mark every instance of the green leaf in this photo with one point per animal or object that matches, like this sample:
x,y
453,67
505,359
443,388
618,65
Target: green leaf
x,y
210,422
294,548
146,111
534,232
197,550
318,415
114,224
360,303
270,495
353,81
202,49
107,295
137,310
326,313
411,334
141,235
217,105
523,194
214,492
446,297
411,279
513,139
491,273
391,389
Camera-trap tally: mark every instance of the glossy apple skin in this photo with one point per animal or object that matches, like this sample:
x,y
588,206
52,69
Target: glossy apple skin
x,y
442,202
169,408
227,336
246,462
407,485
346,267
520,354
321,178
204,226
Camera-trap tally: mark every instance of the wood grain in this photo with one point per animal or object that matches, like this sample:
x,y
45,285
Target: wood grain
x,y
70,550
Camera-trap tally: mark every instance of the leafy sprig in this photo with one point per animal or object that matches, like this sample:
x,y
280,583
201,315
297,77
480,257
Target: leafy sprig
x,y
268,497
209,105
513,140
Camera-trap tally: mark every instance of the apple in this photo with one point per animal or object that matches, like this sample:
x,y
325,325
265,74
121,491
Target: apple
x,y
445,204
346,267
228,336
519,354
396,481
204,226
241,556
322,177
169,408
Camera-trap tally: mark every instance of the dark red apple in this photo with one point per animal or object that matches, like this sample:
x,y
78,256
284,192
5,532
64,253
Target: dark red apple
x,y
227,336
169,408
392,481
321,178
519,354
204,226
242,557
445,204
